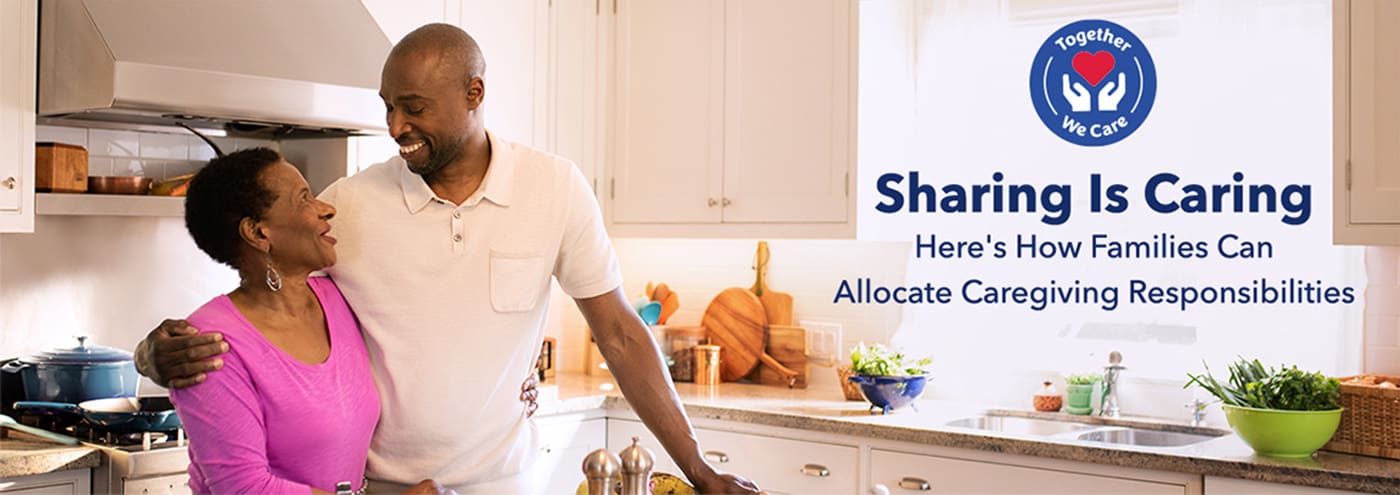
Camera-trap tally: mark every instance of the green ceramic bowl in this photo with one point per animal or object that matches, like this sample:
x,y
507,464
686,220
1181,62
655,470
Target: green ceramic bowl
x,y
1279,433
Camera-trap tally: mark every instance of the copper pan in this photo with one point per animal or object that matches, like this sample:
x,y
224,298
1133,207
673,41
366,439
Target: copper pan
x,y
119,185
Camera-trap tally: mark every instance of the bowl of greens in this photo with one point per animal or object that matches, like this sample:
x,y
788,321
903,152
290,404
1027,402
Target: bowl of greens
x,y
887,378
1284,412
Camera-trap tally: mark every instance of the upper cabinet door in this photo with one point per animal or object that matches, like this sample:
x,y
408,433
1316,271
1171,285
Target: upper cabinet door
x,y
576,115
1375,112
669,114
789,99
18,38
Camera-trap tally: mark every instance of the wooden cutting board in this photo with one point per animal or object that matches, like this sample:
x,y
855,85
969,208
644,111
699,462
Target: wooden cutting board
x,y
734,321
788,345
777,306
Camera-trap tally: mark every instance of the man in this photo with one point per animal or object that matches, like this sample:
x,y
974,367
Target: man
x,y
446,254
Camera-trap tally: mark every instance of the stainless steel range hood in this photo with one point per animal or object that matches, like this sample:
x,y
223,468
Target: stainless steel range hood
x,y
283,67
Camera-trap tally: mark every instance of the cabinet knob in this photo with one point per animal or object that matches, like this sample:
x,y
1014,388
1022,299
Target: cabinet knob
x,y
716,456
912,483
725,202
816,470
9,183
711,202
879,489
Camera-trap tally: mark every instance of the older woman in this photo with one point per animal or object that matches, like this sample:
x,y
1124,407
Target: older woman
x,y
295,405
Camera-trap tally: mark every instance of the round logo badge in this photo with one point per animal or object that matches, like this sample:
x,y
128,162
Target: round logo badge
x,y
1093,82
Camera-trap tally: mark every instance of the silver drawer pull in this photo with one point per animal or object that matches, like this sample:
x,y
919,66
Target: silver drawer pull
x,y
816,470
911,483
716,456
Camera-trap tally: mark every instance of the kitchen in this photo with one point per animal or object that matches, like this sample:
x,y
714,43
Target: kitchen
x,y
569,79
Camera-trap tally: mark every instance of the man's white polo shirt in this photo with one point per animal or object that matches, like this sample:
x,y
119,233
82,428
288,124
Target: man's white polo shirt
x,y
452,301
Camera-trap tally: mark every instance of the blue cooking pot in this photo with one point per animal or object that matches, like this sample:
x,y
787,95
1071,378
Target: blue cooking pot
x,y
891,392
76,374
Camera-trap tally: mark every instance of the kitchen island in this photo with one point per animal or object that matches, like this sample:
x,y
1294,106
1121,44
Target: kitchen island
x,y
818,415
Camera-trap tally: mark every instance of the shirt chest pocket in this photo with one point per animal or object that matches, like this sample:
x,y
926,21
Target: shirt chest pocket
x,y
517,279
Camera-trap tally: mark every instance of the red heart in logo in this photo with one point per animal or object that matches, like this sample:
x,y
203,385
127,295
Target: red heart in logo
x,y
1094,67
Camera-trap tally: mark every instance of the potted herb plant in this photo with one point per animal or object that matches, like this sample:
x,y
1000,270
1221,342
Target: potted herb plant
x,y
1283,412
888,379
1079,392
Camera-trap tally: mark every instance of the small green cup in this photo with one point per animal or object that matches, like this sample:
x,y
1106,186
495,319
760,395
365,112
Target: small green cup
x,y
1279,433
1080,398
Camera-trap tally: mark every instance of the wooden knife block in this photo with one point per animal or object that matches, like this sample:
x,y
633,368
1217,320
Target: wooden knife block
x,y
60,167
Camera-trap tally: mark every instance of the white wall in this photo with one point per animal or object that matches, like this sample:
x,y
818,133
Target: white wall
x,y
110,278
1382,328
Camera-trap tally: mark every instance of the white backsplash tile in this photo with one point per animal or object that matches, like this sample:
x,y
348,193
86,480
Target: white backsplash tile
x,y
58,134
1383,360
173,169
129,166
1382,331
103,142
164,146
99,166
201,152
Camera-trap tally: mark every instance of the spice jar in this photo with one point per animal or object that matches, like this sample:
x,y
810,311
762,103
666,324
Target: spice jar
x,y
681,342
1048,399
707,364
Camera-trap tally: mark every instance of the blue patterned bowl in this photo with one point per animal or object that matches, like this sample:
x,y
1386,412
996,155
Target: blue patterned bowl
x,y
891,392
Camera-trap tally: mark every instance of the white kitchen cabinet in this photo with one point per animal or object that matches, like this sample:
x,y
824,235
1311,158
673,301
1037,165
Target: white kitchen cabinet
x,y
733,118
911,473
1230,486
564,441
513,36
1366,122
576,116
778,465
70,482
19,29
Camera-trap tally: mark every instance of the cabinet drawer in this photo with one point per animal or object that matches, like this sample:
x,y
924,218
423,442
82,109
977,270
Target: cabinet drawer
x,y
909,473
781,465
778,465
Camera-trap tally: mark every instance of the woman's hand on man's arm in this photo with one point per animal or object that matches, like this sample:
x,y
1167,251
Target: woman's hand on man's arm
x,y
176,355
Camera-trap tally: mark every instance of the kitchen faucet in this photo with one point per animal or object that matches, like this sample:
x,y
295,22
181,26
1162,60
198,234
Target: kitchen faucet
x,y
1198,411
1110,385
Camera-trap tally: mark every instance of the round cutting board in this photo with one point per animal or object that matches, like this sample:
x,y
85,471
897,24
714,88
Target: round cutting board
x,y
735,321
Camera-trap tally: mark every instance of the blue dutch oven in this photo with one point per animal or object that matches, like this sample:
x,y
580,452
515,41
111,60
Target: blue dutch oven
x,y
891,392
76,374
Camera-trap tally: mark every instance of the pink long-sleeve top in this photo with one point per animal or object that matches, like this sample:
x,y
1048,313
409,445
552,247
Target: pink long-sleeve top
x,y
269,423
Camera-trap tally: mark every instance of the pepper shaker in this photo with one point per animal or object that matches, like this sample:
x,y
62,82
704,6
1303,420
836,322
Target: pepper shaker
x,y
637,462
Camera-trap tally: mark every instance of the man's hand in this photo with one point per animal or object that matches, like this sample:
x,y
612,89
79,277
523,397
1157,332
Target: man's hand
x,y
724,483
429,487
530,394
176,355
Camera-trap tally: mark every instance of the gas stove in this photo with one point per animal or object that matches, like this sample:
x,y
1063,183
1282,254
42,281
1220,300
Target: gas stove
x,y
140,462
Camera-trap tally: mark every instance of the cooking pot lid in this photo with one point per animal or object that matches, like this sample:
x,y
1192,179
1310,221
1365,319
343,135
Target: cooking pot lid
x,y
83,353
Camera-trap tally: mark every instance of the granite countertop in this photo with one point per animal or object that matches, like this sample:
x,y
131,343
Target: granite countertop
x,y
23,455
820,410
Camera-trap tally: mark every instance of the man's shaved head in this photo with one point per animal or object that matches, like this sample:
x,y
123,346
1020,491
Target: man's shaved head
x,y
457,53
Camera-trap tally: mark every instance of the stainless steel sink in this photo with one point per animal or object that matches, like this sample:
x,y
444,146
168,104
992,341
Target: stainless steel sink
x,y
1017,425
1144,438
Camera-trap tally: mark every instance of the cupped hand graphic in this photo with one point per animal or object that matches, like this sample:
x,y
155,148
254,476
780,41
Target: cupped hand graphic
x,y
1077,95
1112,93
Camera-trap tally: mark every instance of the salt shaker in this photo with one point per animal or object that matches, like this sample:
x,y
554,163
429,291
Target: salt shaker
x,y
637,462
600,467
